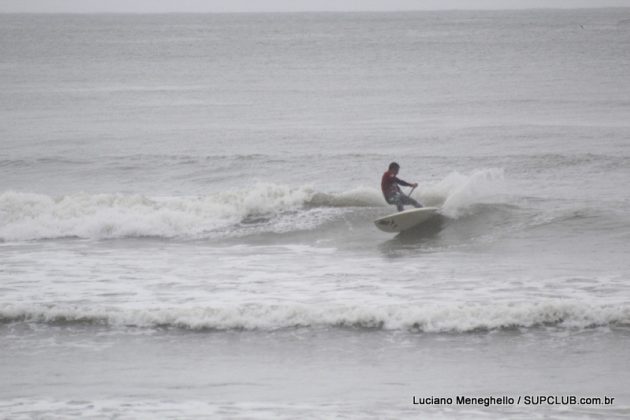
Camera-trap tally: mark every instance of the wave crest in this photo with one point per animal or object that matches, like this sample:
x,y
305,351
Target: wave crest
x,y
420,318
28,216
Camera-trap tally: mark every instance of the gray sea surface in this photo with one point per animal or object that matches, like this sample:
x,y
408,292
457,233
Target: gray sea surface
x,y
187,206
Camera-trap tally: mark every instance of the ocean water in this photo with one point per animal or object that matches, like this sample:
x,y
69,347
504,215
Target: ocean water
x,y
186,207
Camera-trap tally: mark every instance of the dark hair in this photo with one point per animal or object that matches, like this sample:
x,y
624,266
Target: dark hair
x,y
394,165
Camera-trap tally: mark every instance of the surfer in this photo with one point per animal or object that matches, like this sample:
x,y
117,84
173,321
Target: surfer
x,y
391,190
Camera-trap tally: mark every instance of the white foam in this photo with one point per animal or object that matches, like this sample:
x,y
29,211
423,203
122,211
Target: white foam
x,y
356,197
27,216
255,316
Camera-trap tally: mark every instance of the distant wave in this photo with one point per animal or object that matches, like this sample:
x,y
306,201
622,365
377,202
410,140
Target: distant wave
x,y
152,159
533,161
28,216
16,163
419,318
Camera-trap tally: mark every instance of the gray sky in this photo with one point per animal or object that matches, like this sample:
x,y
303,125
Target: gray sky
x,y
161,6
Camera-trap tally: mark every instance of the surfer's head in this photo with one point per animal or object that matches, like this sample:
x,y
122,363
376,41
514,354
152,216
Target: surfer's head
x,y
394,167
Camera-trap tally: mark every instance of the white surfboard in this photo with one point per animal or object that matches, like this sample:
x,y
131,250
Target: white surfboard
x,y
405,219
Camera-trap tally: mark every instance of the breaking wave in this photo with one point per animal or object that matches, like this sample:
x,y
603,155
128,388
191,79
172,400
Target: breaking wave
x,y
29,216
415,318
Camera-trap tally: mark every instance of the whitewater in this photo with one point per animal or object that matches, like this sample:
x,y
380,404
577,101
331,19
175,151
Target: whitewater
x,y
31,216
187,207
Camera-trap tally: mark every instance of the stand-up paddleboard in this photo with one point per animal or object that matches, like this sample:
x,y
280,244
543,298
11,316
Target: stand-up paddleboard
x,y
405,219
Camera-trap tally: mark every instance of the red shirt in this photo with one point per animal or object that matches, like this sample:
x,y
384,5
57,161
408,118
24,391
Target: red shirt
x,y
389,184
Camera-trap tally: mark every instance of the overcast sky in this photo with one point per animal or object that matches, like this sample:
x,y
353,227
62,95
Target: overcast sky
x,y
161,6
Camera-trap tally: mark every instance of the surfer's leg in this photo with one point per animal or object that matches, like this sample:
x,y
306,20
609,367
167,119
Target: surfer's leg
x,y
408,200
400,201
415,203
396,200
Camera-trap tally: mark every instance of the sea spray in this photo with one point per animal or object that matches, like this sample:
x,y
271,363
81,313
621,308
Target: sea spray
x,y
457,193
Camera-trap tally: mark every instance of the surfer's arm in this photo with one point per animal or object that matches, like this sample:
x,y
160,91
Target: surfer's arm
x,y
404,183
